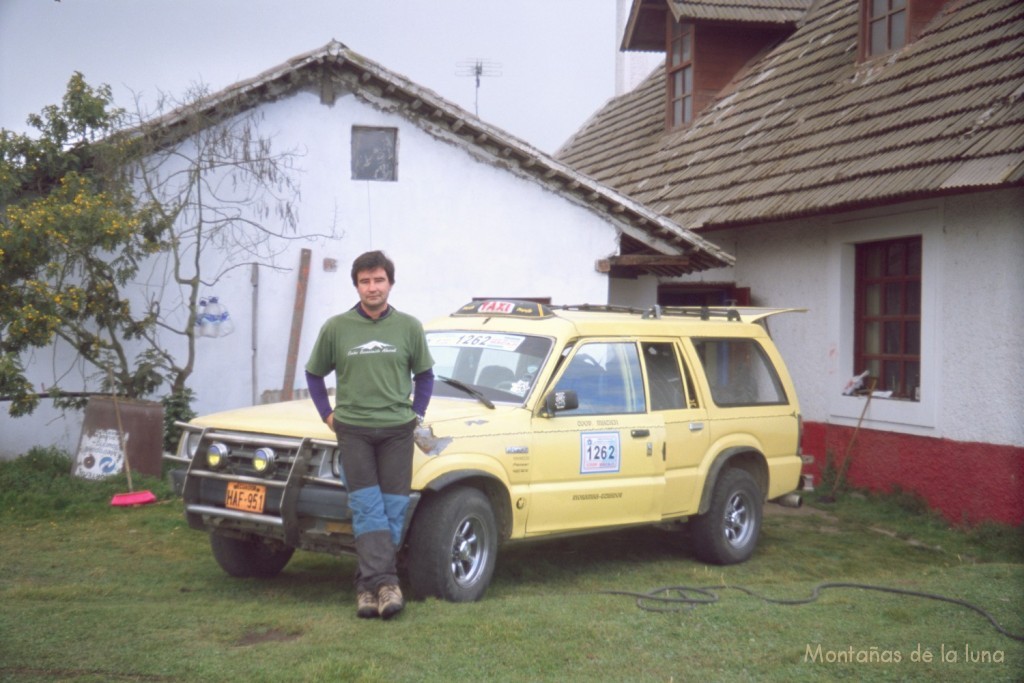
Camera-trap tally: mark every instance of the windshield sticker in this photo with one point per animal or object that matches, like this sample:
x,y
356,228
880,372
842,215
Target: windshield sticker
x,y
599,452
520,388
502,342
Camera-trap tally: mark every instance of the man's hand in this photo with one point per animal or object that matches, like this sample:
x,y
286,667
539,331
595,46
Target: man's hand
x,y
329,421
427,442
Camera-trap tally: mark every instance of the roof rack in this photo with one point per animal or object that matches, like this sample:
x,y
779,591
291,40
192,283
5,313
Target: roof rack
x,y
599,308
655,312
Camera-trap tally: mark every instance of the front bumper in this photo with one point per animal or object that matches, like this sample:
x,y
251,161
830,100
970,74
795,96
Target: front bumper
x,y
305,502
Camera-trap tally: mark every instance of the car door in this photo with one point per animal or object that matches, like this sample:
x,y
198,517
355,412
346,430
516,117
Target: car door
x,y
674,397
599,464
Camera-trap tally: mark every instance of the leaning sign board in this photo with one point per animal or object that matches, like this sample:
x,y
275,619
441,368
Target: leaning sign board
x,y
104,442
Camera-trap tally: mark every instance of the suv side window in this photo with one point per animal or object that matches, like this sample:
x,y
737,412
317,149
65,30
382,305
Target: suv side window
x,y
606,378
739,373
663,376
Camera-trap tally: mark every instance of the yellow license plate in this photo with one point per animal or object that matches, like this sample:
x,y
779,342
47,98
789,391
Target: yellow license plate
x,y
245,497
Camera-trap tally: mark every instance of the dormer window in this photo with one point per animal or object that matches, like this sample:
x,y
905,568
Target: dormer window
x,y
680,74
701,58
886,22
888,25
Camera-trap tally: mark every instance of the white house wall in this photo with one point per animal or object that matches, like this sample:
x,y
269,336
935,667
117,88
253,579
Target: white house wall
x,y
641,292
455,226
972,299
983,319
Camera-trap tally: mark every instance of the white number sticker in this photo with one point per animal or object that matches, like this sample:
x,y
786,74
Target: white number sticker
x,y
600,452
505,342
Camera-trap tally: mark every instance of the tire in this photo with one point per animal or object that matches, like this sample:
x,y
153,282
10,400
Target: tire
x,y
249,558
453,546
727,533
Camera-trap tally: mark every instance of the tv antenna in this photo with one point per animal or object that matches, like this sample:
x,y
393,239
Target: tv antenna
x,y
478,68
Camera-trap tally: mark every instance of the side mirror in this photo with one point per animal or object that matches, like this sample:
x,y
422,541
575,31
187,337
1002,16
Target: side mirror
x,y
560,400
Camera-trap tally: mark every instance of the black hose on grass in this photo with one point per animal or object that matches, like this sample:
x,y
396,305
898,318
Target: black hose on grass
x,y
675,598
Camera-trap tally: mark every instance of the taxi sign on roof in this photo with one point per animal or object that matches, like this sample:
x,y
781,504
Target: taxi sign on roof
x,y
510,308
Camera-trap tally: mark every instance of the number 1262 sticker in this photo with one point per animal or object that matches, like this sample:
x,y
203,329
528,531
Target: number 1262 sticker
x,y
599,452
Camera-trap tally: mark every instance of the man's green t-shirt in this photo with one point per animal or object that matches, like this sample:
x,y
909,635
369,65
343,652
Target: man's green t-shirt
x,y
373,362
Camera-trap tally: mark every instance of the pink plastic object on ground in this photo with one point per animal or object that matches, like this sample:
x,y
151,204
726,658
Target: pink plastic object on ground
x,y
136,498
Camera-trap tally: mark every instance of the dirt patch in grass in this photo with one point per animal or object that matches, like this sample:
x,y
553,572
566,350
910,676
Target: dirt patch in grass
x,y
260,636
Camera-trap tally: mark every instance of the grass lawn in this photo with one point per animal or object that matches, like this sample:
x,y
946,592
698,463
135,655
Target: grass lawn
x,y
95,593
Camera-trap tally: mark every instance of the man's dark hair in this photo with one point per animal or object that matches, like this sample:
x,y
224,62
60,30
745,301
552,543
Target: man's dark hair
x,y
372,260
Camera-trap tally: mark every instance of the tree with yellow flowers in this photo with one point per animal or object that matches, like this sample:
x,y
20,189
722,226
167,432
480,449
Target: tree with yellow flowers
x,y
98,195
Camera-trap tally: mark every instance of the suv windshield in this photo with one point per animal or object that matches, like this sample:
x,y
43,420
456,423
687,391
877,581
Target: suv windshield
x,y
503,367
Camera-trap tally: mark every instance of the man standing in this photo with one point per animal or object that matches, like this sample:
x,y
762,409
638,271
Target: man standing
x,y
378,355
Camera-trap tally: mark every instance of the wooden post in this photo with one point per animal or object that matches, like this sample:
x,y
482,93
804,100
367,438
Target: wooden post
x,y
288,388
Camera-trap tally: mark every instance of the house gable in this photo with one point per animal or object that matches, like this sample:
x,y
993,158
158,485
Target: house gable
x,y
334,70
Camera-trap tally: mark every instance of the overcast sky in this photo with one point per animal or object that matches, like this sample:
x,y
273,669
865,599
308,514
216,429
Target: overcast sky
x,y
553,60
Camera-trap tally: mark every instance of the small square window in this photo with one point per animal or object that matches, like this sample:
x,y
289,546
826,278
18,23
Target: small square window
x,y
374,153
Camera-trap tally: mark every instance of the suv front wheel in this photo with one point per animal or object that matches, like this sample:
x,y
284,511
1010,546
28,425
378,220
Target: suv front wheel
x,y
727,533
453,545
251,557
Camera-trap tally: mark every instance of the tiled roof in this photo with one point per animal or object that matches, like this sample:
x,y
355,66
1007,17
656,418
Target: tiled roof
x,y
767,11
807,129
334,69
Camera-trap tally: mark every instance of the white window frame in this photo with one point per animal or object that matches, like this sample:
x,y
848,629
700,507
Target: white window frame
x,y
913,417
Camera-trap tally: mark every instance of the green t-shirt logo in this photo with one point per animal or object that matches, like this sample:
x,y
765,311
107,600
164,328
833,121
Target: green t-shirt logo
x,y
372,347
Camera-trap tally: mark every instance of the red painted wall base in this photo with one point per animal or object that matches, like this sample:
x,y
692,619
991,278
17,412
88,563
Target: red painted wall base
x,y
967,482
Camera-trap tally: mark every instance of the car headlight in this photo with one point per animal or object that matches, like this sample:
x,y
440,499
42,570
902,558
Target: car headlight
x,y
188,444
264,460
217,456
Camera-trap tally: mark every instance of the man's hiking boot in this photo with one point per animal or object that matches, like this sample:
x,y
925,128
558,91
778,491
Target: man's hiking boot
x,y
389,601
366,605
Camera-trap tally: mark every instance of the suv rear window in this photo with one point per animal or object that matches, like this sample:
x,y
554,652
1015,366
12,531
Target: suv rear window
x,y
739,373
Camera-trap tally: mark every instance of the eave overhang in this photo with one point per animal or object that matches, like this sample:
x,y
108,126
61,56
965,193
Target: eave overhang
x,y
645,27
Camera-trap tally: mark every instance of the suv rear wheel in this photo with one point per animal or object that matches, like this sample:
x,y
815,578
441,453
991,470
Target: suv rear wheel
x,y
727,533
252,557
453,545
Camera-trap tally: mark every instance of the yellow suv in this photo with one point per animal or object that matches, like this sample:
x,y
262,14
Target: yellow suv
x,y
545,420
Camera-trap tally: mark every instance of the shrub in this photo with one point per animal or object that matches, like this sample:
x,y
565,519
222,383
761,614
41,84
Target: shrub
x,y
40,484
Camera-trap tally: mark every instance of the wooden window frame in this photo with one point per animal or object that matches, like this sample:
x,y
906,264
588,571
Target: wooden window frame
x,y
873,14
887,310
679,66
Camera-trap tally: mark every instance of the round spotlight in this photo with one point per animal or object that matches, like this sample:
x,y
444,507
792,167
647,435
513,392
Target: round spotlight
x,y
217,456
264,460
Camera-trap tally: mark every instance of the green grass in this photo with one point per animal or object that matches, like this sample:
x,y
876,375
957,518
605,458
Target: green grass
x,y
95,593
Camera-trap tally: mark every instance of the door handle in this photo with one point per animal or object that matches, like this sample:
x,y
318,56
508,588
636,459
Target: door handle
x,y
639,433
696,426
